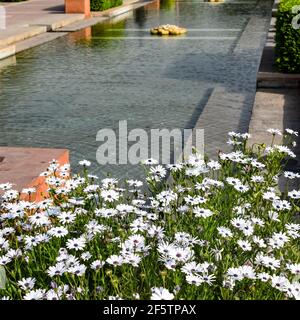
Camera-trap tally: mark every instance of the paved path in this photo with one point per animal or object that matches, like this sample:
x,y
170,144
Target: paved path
x,y
30,19
277,108
33,18
25,12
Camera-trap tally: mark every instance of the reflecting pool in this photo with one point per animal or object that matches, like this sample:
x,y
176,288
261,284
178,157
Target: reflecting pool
x,y
61,93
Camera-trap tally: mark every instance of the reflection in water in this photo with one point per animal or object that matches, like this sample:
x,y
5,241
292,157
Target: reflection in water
x,y
140,16
81,35
10,61
167,4
122,17
106,29
154,5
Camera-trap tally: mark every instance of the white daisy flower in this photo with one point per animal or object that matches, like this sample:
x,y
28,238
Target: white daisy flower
x,y
244,245
110,195
38,294
194,279
27,283
161,294
76,244
274,131
85,163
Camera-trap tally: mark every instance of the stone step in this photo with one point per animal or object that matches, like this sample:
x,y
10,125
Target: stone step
x,y
79,25
273,22
277,80
14,34
55,21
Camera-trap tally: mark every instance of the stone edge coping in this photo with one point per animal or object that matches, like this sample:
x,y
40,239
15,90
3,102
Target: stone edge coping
x,y
19,33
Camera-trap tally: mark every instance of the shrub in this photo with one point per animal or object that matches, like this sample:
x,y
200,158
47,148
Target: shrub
x,y
287,38
218,230
100,5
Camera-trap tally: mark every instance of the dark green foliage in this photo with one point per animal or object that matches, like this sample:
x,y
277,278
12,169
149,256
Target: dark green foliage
x,y
100,5
288,37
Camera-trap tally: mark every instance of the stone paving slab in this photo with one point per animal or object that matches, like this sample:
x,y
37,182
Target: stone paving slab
x,y
277,108
24,12
274,108
23,166
55,21
18,33
268,111
278,80
82,24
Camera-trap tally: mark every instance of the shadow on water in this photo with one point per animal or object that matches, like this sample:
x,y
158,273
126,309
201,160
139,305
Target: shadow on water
x,y
167,4
191,123
140,16
236,73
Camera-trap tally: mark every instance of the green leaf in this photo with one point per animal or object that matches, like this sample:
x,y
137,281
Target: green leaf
x,y
3,278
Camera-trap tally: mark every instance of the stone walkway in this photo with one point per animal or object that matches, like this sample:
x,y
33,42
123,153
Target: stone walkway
x,y
30,19
28,23
26,12
275,108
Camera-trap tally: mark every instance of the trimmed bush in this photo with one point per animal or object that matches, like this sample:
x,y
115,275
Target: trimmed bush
x,y
288,37
100,5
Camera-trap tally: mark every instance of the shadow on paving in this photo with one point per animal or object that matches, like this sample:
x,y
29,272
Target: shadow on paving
x,y
55,9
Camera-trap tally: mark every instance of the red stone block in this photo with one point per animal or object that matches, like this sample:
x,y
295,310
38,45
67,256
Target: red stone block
x,y
78,6
23,166
154,5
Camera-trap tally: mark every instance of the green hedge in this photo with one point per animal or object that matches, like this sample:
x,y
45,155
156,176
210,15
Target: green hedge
x,y
100,5
287,38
